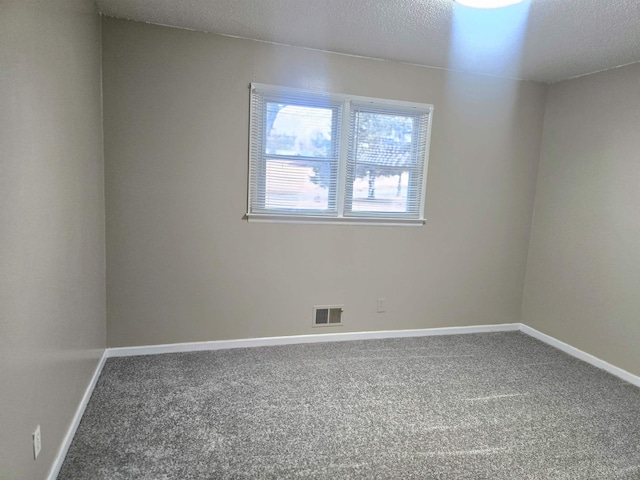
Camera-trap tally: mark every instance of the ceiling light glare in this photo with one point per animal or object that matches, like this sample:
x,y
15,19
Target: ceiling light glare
x,y
488,3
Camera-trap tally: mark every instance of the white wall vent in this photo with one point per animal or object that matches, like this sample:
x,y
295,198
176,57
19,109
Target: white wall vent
x,y
327,315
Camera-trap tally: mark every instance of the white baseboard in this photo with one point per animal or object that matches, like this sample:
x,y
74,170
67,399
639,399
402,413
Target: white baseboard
x,y
348,336
64,447
579,354
297,339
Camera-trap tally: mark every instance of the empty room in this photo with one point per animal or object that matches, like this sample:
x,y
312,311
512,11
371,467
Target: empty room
x,y
326,239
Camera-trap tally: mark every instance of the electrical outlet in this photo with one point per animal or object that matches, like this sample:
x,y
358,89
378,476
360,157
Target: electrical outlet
x,y
37,442
381,305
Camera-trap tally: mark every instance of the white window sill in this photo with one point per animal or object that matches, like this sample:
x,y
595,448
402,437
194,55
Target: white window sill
x,y
271,218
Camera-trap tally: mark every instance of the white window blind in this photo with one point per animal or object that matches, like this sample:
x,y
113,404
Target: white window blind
x,y
320,157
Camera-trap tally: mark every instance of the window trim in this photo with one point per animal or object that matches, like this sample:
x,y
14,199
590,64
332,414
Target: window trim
x,y
345,103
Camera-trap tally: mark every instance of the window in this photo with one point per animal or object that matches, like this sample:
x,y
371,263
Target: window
x,y
317,157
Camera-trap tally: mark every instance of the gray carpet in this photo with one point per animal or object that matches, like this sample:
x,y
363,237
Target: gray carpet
x,y
481,406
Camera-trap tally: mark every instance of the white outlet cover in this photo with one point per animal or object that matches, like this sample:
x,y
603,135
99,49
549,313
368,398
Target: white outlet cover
x,y
37,442
381,305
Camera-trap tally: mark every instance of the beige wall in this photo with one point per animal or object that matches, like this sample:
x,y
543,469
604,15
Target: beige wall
x,y
52,252
182,264
583,277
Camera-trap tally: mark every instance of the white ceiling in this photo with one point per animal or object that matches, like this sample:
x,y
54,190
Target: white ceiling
x,y
563,39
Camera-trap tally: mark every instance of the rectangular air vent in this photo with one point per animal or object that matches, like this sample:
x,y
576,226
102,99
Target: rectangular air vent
x,y
327,315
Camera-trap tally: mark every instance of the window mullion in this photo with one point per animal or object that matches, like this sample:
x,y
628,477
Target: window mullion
x,y
424,163
343,154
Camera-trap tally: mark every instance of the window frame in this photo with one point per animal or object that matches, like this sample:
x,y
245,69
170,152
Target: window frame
x,y
345,106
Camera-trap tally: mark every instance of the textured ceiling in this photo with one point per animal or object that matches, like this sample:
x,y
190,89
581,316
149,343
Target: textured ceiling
x,y
559,39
